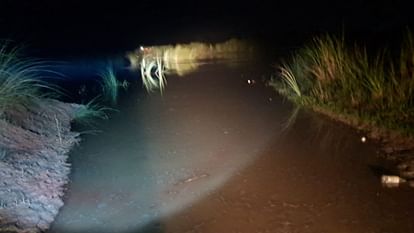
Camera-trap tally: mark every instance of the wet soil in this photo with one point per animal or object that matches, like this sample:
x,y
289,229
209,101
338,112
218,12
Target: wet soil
x,y
395,148
217,154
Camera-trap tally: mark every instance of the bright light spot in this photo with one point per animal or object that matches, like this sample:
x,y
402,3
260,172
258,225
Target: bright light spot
x,y
391,181
251,81
186,58
363,139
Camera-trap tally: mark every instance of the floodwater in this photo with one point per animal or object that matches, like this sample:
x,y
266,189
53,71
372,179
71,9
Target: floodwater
x,y
216,154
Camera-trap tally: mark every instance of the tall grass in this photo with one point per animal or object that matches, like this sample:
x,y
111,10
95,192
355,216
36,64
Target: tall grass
x,y
109,84
20,83
88,113
290,80
374,88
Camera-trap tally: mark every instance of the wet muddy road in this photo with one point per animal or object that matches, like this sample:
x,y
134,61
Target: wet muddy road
x,y
217,155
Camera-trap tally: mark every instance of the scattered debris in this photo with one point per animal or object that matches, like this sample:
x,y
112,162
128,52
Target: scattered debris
x,y
193,178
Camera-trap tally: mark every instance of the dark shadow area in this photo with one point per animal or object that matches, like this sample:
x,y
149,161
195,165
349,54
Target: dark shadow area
x,y
79,28
379,170
153,227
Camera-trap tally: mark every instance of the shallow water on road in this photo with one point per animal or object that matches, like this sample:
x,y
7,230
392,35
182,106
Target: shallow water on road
x,y
217,154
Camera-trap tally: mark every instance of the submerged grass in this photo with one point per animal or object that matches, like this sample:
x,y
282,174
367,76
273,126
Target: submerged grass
x,y
377,90
152,73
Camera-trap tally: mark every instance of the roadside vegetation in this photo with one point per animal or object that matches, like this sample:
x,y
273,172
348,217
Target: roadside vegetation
x,y
156,61
35,130
19,84
195,51
109,84
347,82
86,114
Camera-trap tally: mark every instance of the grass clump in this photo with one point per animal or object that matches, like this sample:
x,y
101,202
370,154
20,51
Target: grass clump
x,y
21,85
377,89
19,81
88,113
110,84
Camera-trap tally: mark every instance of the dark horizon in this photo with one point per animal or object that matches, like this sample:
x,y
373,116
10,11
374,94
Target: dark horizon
x,y
76,27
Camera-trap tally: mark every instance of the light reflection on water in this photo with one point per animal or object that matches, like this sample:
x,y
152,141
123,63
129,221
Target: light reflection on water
x,y
182,59
218,151
160,155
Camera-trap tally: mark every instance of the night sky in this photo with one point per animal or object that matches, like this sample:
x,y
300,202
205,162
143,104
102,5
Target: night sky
x,y
90,26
